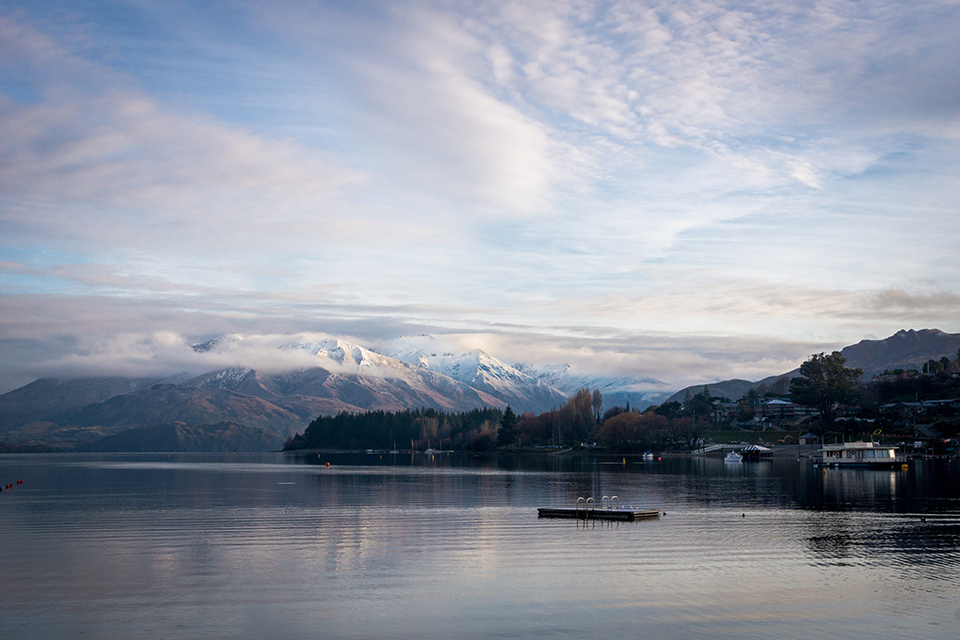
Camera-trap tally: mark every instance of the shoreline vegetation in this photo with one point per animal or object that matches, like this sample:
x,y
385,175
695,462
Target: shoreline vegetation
x,y
777,450
828,403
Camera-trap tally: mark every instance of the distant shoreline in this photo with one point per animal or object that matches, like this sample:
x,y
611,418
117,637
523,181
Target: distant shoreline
x,y
779,451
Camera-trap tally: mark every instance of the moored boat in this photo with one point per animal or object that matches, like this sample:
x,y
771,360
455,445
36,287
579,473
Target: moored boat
x,y
733,456
860,454
756,452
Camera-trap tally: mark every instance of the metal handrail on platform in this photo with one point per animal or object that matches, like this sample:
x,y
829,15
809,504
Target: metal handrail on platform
x,y
610,502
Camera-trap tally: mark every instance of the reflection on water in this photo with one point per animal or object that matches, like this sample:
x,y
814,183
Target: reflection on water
x,y
403,546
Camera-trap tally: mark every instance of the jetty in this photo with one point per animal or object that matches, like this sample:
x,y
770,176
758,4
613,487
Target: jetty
x,y
610,509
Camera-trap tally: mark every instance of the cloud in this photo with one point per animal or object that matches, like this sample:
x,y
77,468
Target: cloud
x,y
422,108
680,360
555,180
804,172
720,80
914,305
94,160
163,354
54,336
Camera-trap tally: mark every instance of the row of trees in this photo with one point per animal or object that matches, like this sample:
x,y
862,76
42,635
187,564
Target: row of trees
x,y
943,365
478,430
472,430
574,422
631,431
579,420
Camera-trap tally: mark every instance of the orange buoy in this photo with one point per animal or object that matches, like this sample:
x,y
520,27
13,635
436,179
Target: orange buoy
x,y
328,464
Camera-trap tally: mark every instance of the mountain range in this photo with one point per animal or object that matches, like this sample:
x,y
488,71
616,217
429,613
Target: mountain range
x,y
340,376
906,349
239,407
178,436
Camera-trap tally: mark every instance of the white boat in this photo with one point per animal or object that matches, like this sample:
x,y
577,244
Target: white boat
x,y
648,455
733,456
860,454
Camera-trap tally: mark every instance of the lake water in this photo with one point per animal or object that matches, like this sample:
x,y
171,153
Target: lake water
x,y
274,546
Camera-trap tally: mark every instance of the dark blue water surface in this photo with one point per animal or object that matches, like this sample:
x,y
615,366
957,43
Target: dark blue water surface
x,y
412,546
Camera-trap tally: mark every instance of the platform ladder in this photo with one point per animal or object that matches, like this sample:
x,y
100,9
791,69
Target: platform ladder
x,y
606,502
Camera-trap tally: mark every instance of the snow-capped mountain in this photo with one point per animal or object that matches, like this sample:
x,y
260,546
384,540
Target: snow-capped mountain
x,y
339,355
350,377
640,392
239,379
418,369
479,370
283,384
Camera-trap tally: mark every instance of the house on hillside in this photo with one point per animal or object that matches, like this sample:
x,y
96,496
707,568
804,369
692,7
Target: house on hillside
x,y
724,411
915,409
777,410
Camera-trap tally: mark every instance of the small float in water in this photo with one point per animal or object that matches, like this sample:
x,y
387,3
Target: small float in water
x,y
610,509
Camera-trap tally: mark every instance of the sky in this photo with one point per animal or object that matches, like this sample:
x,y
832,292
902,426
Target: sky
x,y
686,190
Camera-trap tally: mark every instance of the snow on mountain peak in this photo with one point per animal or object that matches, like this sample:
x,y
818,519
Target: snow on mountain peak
x,y
465,367
413,357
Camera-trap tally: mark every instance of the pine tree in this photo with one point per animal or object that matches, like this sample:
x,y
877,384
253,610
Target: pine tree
x,y
508,428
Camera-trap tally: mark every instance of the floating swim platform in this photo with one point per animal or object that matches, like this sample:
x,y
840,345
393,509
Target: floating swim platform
x,y
598,514
610,509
